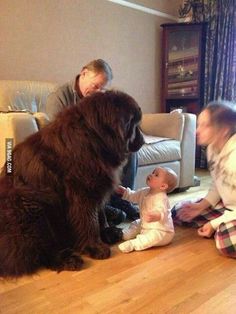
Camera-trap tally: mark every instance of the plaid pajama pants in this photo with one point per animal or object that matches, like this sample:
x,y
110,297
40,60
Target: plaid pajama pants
x,y
225,235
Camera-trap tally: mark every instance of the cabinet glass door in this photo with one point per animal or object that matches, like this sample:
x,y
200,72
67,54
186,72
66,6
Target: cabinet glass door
x,y
182,64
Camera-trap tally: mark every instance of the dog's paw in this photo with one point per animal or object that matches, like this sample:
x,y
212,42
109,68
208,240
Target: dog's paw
x,y
111,235
98,251
67,260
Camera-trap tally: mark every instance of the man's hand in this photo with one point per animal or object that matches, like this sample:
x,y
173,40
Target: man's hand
x,y
206,230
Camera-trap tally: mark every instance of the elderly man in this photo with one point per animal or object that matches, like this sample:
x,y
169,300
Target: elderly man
x,y
96,76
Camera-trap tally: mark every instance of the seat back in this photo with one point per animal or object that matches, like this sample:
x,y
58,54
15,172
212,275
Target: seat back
x,y
24,95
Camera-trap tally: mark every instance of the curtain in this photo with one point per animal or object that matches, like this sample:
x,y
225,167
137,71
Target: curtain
x,y
220,58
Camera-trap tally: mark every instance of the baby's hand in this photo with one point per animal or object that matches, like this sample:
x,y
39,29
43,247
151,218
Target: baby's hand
x,y
120,190
152,216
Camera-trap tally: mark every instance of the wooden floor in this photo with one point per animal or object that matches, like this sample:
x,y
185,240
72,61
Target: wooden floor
x,y
188,276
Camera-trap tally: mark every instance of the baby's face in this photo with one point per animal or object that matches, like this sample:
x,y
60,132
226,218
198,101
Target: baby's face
x,y
156,179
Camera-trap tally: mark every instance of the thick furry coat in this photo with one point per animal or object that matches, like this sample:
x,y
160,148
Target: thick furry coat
x,y
61,177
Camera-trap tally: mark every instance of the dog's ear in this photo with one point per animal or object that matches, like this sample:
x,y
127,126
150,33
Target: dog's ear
x,y
136,141
114,115
133,135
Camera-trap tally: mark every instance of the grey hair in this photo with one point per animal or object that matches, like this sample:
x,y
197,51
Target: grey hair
x,y
100,66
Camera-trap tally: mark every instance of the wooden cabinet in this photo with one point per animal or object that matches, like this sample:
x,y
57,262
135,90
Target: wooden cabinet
x,y
183,48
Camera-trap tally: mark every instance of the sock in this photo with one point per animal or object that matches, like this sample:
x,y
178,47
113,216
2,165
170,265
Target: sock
x,y
126,247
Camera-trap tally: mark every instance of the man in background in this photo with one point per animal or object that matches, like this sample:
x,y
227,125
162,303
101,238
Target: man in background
x,y
94,77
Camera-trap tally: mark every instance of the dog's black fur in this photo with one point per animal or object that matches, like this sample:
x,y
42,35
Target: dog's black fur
x,y
62,175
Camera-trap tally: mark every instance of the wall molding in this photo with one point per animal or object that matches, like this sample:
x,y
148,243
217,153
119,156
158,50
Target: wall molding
x,y
144,9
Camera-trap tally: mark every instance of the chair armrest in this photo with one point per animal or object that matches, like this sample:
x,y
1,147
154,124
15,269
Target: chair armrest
x,y
41,119
170,125
188,150
16,126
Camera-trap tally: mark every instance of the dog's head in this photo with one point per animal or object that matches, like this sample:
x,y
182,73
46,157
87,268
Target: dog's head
x,y
115,117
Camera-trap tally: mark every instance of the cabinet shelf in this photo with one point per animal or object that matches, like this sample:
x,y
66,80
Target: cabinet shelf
x,y
183,47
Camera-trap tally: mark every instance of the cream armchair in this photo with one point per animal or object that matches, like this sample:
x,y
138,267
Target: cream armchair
x,y
170,142
21,110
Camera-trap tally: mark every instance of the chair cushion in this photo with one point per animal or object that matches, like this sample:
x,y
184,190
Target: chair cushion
x,y
160,152
41,119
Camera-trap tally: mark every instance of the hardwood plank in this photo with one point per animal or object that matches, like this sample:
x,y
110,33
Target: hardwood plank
x,y
187,276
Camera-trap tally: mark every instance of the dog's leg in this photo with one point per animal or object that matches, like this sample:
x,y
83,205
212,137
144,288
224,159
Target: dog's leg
x,y
88,239
94,246
84,221
109,235
67,259
97,250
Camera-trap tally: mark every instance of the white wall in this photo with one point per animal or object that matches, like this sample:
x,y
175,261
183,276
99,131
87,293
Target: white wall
x,y
52,39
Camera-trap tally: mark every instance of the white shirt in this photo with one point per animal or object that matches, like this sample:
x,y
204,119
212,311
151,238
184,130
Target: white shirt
x,y
222,167
148,202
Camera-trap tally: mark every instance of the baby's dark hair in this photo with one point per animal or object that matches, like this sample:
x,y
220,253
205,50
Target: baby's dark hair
x,y
222,114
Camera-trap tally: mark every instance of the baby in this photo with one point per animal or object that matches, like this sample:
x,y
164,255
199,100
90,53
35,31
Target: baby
x,y
155,226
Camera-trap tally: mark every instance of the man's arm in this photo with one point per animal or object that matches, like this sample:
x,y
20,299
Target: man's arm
x,y
59,99
53,105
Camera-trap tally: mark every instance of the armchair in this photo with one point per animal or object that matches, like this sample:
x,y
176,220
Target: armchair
x,y
21,110
172,144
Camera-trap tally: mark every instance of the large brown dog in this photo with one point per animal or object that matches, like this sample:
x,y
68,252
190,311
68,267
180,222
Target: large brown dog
x,y
61,177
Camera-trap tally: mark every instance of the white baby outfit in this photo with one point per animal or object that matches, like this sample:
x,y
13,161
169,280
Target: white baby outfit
x,y
141,235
